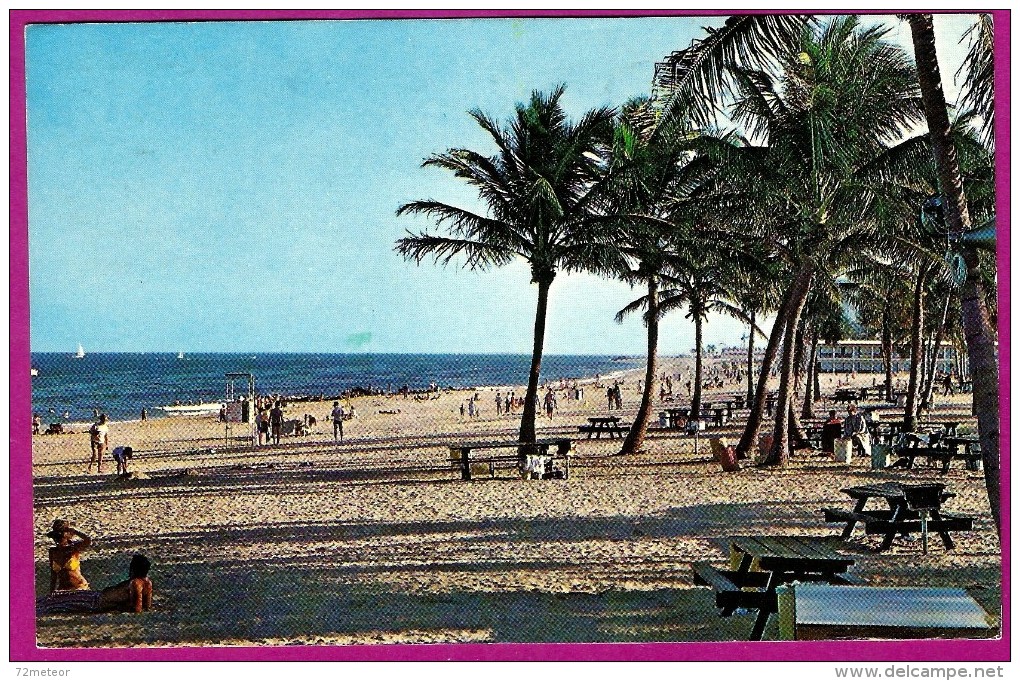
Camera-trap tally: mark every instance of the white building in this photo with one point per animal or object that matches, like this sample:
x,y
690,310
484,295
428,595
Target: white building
x,y
865,356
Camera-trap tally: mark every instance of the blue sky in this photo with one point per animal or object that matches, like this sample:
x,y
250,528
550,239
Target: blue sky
x,y
232,186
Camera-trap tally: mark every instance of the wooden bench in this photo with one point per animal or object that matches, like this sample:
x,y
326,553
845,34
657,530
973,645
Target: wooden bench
x,y
825,612
729,588
461,454
881,522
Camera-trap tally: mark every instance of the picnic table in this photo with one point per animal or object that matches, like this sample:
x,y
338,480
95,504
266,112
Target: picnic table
x,y
896,518
603,424
846,395
939,449
678,417
461,454
813,612
777,560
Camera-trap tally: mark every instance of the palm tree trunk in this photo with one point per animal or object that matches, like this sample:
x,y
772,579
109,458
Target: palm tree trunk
x,y
696,397
798,357
636,436
750,364
530,399
780,453
981,337
933,365
887,352
910,411
754,420
808,411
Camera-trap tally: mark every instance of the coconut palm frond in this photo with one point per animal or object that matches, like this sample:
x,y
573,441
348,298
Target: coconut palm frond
x,y
700,78
478,255
978,67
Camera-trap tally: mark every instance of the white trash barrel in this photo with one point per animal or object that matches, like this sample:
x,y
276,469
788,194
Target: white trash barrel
x,y
843,449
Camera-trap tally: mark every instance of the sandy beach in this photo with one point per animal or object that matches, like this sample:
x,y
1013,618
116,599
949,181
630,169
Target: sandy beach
x,y
378,540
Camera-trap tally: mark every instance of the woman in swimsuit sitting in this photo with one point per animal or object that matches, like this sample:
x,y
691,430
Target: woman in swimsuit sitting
x,y
65,557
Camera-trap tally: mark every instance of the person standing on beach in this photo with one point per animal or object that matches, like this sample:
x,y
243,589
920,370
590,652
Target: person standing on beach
x,y
276,422
499,405
99,437
338,422
610,397
550,403
262,425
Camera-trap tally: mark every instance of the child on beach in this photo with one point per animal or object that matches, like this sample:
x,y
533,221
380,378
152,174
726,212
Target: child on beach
x,y
120,456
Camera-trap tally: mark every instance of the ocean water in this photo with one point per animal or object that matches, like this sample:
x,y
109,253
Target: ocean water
x,y
121,384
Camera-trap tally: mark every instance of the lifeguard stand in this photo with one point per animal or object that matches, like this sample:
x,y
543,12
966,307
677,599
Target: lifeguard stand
x,y
240,385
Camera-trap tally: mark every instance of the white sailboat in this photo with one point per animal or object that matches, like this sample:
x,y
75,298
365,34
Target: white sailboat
x,y
80,353
180,355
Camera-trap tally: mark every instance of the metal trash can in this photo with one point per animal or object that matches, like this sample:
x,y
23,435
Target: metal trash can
x,y
880,455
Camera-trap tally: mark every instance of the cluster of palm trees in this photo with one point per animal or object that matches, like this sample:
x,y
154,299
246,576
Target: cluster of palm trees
x,y
784,176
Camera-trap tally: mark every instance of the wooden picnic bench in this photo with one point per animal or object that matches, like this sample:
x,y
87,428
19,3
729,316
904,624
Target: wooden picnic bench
x,y
897,518
604,424
777,561
943,450
813,612
461,454
678,417
847,395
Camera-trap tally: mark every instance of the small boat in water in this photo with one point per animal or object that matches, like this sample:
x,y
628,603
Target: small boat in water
x,y
193,409
80,353
180,355
35,372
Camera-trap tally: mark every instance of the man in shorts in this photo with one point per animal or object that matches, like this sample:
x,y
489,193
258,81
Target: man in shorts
x,y
338,422
276,422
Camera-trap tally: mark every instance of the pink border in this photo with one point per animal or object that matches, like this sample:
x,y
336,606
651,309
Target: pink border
x,y
22,571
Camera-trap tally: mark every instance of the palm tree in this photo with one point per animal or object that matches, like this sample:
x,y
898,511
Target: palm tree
x,y
980,335
642,179
841,100
536,188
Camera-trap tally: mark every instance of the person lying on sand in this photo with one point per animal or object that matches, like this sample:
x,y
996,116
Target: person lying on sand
x,y
133,594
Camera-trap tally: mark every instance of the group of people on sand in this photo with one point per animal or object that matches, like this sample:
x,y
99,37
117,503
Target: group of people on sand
x,y
70,591
99,444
